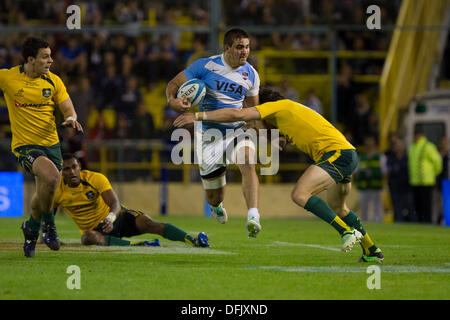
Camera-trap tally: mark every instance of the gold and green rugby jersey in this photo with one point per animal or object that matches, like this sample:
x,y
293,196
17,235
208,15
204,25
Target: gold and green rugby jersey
x,y
31,103
84,203
307,129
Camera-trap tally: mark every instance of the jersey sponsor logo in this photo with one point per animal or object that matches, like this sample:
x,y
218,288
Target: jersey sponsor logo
x,y
228,87
47,92
29,105
31,84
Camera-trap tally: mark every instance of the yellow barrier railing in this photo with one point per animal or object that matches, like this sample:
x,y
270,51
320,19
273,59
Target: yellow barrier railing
x,y
410,58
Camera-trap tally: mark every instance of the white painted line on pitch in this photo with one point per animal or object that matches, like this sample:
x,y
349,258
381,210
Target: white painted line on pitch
x,y
74,245
306,245
350,269
145,250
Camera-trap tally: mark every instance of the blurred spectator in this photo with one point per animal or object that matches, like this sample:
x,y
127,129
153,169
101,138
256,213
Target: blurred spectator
x,y
313,102
306,41
100,130
346,91
119,48
327,13
198,50
424,165
252,10
166,57
145,64
82,96
122,127
364,120
369,181
4,61
129,98
143,126
72,57
127,66
396,169
288,91
95,51
109,88
129,13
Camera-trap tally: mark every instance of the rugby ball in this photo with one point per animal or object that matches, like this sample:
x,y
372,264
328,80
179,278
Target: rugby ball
x,y
194,90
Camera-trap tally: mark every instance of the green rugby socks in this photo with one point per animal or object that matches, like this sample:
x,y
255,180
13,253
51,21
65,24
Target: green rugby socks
x,y
114,241
321,209
48,217
173,233
34,225
353,221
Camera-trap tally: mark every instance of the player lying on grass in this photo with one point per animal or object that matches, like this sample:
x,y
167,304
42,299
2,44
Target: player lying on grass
x,y
91,202
335,160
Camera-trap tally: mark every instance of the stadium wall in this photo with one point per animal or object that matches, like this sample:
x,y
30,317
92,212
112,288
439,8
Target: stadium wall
x,y
187,199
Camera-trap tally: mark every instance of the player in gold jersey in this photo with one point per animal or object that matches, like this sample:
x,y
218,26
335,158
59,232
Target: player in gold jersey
x,y
335,160
32,94
89,199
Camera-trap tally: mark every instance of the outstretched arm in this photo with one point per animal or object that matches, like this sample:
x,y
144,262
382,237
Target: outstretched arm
x,y
222,115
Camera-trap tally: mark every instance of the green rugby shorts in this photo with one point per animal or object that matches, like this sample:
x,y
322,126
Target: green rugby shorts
x,y
339,164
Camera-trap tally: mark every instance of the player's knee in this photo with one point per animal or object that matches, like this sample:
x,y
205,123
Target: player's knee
x,y
300,197
91,238
245,159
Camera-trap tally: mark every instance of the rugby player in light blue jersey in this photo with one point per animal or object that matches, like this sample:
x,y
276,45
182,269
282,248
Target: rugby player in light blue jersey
x,y
231,82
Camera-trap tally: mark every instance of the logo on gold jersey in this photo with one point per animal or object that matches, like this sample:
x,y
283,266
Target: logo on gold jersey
x,y
47,92
90,195
19,93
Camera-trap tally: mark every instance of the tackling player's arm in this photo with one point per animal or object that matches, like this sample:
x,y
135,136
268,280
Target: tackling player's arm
x,y
251,101
177,104
70,116
112,201
222,115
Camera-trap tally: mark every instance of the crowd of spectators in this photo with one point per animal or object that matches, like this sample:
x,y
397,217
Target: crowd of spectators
x,y
107,71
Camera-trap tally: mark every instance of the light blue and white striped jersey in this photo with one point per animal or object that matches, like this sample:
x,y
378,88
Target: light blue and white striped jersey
x,y
225,87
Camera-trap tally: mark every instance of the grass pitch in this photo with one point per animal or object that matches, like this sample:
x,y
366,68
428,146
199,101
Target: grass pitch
x,y
291,259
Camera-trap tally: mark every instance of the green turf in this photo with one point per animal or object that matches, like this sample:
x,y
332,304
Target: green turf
x,y
290,259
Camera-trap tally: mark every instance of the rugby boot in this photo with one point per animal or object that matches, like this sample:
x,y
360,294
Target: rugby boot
x,y
30,240
253,227
349,239
50,236
219,213
201,240
377,256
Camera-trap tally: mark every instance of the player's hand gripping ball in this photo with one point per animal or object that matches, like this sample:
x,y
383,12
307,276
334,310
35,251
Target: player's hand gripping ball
x,y
193,90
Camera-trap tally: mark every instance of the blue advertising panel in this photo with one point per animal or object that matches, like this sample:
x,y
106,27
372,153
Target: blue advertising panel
x,y
446,200
11,194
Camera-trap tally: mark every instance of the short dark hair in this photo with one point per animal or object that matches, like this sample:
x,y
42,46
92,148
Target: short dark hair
x,y
68,156
267,94
31,46
233,34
